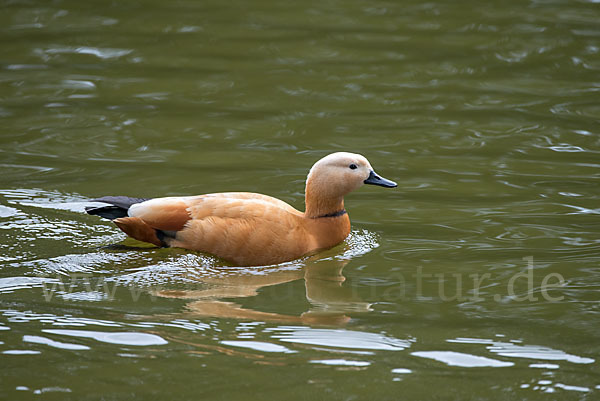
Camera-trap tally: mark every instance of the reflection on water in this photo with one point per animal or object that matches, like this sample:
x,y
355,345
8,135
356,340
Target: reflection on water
x,y
123,338
258,346
20,352
452,358
53,343
338,338
340,362
524,351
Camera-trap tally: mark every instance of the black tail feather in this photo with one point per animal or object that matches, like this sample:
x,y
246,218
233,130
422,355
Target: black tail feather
x,y
123,202
108,212
117,209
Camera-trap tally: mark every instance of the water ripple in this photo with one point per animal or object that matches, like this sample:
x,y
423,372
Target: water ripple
x,y
53,343
121,338
102,53
513,350
338,338
452,358
258,346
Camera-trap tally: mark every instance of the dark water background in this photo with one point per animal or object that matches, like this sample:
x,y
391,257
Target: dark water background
x,y
477,278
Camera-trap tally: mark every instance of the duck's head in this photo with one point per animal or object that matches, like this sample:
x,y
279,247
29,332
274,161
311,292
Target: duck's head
x,y
340,173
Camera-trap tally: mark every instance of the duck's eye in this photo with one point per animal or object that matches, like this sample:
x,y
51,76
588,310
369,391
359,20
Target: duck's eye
x,y
353,166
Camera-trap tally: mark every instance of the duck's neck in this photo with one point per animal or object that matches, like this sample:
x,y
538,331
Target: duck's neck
x,y
318,205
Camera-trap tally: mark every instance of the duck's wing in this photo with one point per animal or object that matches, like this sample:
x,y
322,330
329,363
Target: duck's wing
x,y
166,214
151,220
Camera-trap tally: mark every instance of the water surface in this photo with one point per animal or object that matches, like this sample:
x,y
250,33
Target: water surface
x,y
477,278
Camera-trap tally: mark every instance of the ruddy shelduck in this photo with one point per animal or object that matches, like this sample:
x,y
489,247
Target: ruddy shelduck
x,y
248,228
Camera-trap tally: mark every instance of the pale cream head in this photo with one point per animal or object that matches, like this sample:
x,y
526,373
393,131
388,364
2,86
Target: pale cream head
x,y
338,174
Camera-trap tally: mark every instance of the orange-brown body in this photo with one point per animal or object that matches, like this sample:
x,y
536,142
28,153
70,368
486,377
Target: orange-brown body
x,y
253,229
245,228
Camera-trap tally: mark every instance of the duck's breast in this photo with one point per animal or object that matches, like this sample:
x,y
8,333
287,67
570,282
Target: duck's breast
x,y
329,231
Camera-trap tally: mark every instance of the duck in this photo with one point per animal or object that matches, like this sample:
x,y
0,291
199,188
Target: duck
x,y
245,228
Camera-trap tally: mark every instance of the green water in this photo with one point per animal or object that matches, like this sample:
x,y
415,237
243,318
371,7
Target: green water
x,y
476,278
